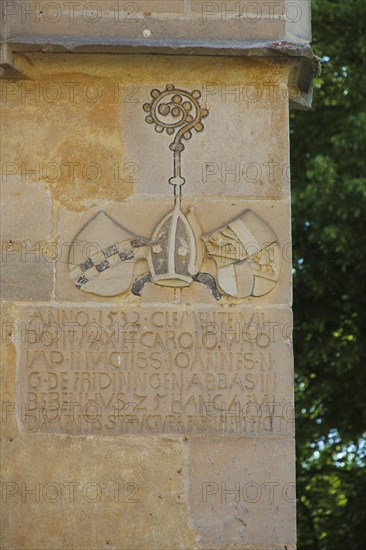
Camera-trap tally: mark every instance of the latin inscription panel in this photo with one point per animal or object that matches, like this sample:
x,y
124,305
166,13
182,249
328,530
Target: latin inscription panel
x,y
145,370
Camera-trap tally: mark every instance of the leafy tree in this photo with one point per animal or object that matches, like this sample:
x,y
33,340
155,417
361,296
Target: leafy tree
x,y
329,211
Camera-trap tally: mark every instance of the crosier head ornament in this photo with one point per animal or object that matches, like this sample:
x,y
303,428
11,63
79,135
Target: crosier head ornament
x,y
176,112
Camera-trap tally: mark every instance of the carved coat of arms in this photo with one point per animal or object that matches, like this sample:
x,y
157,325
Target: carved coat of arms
x,y
246,250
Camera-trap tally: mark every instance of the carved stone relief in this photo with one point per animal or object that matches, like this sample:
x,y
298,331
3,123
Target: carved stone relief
x,y
246,250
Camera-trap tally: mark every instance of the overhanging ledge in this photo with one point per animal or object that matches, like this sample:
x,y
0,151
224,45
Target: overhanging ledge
x,y
304,63
278,29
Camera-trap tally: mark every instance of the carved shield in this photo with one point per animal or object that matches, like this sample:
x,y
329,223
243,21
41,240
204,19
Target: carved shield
x,y
103,256
247,255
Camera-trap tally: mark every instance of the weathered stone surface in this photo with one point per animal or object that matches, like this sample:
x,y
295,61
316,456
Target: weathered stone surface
x,y
27,249
58,156
171,319
210,492
243,102
151,370
86,493
101,107
20,195
141,217
279,29
25,273
236,494
175,21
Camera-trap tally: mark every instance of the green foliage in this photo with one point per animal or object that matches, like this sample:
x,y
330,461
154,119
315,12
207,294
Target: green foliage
x,y
329,211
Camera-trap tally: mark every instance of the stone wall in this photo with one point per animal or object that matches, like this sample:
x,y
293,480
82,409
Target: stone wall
x,y
146,287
